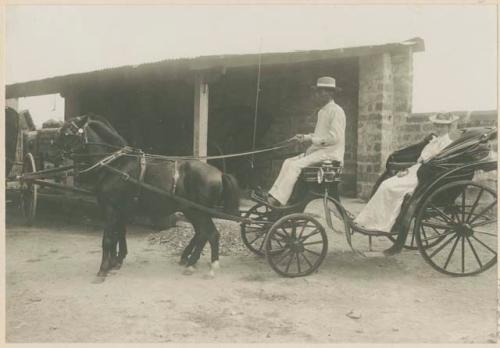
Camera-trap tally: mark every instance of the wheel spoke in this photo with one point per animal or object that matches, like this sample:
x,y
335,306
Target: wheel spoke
x,y
289,262
474,252
261,244
486,233
316,231
440,235
425,236
280,234
311,243
298,262
463,207
451,252
312,252
483,211
307,260
279,243
443,215
441,247
463,254
434,225
284,255
487,247
484,223
474,205
302,230
253,241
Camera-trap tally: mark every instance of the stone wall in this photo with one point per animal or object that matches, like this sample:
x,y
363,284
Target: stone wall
x,y
385,100
415,127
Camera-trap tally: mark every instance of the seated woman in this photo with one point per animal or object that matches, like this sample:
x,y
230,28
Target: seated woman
x,y
383,208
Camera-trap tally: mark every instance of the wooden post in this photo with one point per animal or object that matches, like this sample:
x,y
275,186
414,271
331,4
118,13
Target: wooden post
x,y
200,136
71,105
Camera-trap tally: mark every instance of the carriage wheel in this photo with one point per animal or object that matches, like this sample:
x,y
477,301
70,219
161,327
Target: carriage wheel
x,y
29,191
296,245
253,234
459,238
411,239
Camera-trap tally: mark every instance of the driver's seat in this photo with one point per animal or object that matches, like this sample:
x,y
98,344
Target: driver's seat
x,y
322,172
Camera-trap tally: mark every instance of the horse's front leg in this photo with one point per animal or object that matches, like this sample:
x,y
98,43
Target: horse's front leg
x,y
195,255
122,247
187,251
109,242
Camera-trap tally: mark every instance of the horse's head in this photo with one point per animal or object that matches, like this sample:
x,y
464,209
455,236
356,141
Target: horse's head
x,y
77,133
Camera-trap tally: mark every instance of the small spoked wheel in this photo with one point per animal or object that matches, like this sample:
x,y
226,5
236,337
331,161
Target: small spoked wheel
x,y
458,236
253,234
296,245
29,191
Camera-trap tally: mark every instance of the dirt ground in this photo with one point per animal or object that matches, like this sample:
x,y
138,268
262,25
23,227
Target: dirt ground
x,y
52,297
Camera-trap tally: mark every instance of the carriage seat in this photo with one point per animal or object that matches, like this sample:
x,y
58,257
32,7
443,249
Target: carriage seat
x,y
325,171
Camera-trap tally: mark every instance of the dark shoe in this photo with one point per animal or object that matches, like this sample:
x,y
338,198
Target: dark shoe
x,y
264,197
273,201
260,193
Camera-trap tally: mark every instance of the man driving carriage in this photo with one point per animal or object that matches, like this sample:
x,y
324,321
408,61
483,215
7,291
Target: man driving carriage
x,y
327,143
383,208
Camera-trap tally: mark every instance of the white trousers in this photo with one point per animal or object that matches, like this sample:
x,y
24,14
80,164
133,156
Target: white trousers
x,y
382,210
290,170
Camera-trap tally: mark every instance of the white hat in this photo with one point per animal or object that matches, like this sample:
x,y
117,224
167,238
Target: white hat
x,y
326,82
443,118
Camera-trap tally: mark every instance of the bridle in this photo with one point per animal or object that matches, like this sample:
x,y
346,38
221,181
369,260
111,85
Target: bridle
x,y
81,141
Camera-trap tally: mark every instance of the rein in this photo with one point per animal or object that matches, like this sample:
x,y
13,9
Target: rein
x,y
275,147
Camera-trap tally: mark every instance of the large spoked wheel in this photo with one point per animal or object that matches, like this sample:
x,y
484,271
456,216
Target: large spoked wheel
x,y
29,191
459,238
411,239
253,234
296,245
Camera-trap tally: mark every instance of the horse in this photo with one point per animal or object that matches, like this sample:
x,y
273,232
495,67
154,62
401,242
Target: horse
x,y
90,139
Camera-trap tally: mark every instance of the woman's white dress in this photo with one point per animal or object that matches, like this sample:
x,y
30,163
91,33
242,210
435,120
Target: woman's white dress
x,y
383,208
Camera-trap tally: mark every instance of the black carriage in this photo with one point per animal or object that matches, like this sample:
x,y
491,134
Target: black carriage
x,y
450,218
30,151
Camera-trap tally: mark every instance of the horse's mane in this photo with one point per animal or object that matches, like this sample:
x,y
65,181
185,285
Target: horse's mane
x,y
103,128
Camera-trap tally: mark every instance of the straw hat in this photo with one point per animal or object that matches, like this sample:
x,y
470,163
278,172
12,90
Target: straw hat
x,y
443,118
326,82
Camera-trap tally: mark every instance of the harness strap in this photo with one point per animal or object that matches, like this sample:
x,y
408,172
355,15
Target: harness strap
x,y
176,177
142,166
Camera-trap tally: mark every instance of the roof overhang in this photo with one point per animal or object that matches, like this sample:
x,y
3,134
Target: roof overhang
x,y
176,68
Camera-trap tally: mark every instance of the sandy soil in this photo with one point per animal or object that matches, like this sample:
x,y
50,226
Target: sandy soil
x,y
51,296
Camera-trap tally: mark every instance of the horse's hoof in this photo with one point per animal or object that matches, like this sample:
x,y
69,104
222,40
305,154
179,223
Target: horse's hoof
x,y
102,273
99,279
117,266
183,262
215,265
211,274
189,270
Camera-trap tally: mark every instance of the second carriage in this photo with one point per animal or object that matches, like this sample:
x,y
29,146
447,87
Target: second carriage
x,y
450,217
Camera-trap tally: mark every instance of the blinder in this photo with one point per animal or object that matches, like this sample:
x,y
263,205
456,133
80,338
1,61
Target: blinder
x,y
78,134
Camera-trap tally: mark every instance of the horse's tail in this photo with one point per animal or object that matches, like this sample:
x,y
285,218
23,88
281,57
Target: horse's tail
x,y
231,194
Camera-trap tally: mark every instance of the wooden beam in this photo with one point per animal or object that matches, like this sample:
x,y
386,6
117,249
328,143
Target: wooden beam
x,y
200,136
12,103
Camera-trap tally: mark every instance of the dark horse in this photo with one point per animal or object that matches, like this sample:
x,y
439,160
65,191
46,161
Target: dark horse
x,y
90,138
